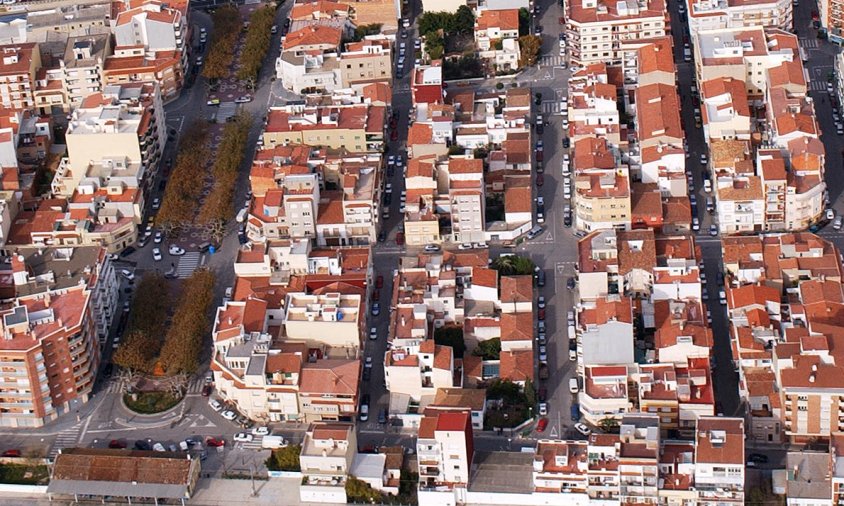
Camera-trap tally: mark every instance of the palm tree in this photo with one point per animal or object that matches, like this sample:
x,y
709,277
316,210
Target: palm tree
x,y
510,265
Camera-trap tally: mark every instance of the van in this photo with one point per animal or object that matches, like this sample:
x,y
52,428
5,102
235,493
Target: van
x,y
204,247
573,385
241,215
837,223
534,232
272,442
572,333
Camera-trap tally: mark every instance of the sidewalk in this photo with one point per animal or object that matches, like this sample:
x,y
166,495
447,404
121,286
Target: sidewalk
x,y
217,491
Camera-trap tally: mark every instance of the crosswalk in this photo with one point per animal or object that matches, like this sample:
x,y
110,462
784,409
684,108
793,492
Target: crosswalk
x,y
817,85
551,60
809,43
195,385
550,107
66,438
187,264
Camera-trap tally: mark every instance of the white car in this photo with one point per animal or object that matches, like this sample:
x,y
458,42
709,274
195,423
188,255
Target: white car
x,y
229,414
373,333
127,274
158,238
543,408
243,437
156,203
830,214
431,248
368,363
156,254
261,430
176,251
215,404
583,429
243,99
540,302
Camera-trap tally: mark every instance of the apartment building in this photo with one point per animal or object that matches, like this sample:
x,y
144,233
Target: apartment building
x,y
604,394
133,64
329,320
33,271
414,373
18,74
602,197
725,111
49,356
596,29
82,67
357,128
719,460
309,59
328,452
367,61
638,458
444,449
707,15
290,211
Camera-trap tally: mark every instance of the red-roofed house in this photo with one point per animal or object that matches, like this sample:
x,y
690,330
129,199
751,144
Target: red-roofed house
x,y
444,449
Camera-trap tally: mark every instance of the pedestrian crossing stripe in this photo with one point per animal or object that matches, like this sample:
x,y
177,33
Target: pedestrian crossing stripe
x,y
551,61
550,107
187,264
809,43
66,438
817,85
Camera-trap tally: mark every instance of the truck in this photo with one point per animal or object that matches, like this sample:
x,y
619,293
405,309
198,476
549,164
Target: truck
x,y
273,442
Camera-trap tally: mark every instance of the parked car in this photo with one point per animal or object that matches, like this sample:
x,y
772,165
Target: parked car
x,y
215,442
229,414
175,250
206,390
243,437
376,309
542,425
117,444
583,429
156,254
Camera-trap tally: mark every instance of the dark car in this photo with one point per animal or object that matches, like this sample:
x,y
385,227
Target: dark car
x,y
571,283
367,373
128,251
117,444
382,236
143,445
540,180
567,220
540,314
575,412
566,142
108,369
382,416
539,156
400,239
758,458
206,390
379,282
394,136
376,295
540,128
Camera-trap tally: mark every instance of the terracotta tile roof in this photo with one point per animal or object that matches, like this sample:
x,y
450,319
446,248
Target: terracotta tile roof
x,y
122,466
652,57
507,19
517,327
516,288
606,309
593,153
330,376
516,365
636,250
658,112
313,35
483,276
420,133
518,199
470,398
727,445
460,165
677,210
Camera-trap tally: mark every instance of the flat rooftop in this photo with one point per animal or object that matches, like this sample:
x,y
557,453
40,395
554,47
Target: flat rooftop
x,y
502,472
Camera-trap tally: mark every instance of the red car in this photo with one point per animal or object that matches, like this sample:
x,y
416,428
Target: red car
x,y
117,444
541,314
12,453
376,295
400,239
540,180
206,390
394,136
379,282
214,442
542,425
